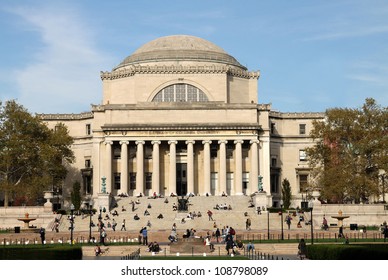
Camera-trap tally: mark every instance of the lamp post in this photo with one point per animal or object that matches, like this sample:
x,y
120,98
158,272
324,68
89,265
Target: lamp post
x,y
311,221
268,223
90,219
281,221
71,223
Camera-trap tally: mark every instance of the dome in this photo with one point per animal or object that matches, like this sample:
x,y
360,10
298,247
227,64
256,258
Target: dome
x,y
179,48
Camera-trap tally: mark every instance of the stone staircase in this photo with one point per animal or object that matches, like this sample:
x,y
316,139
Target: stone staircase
x,y
234,217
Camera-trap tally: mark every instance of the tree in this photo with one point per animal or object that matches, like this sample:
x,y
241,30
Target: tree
x,y
31,154
76,195
286,193
350,152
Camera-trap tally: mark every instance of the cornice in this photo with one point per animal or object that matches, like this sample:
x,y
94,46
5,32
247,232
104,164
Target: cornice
x,y
185,127
304,115
81,116
174,69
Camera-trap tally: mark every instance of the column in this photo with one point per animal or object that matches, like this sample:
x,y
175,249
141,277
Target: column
x,y
139,167
124,167
190,166
172,185
253,177
97,166
108,165
265,170
238,167
206,166
222,172
155,167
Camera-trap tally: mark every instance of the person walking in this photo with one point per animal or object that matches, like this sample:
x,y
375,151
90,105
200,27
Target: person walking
x,y
302,249
210,214
114,224
385,232
102,237
123,225
42,233
218,235
288,221
145,236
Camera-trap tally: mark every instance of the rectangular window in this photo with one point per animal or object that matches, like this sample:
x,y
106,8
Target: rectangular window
x,y
117,179
132,180
88,129
88,163
273,162
302,129
148,180
302,155
274,183
273,127
303,182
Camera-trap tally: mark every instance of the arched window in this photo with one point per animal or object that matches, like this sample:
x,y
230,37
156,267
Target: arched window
x,y
180,93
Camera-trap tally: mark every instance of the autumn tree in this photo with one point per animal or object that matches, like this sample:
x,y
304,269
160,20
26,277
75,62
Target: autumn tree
x,y
350,152
32,156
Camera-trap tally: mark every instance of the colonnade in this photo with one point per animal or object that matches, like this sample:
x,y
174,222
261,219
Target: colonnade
x,y
237,188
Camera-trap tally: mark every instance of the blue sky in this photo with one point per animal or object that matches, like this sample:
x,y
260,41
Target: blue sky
x,y
312,55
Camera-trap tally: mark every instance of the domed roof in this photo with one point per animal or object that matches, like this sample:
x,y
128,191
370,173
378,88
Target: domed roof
x,y
179,48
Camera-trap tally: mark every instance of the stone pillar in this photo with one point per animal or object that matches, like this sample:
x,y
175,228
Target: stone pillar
x,y
124,167
253,178
155,167
139,167
108,165
97,164
265,170
238,167
172,175
222,159
206,166
190,166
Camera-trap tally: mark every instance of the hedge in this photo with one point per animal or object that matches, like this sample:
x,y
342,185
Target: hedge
x,y
347,252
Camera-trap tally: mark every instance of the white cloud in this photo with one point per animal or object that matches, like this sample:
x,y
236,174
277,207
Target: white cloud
x,y
64,72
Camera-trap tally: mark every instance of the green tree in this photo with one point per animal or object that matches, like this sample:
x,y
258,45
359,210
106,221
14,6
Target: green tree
x,y
76,195
286,193
350,152
31,154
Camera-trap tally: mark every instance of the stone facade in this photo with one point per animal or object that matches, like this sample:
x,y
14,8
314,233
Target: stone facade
x,y
182,116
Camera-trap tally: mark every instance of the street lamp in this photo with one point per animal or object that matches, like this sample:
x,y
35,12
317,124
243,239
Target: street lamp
x,y
311,221
71,223
268,223
90,219
281,221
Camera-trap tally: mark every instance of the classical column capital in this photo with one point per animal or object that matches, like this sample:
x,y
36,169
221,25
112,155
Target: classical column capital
x,y
156,142
172,142
190,142
206,142
140,142
238,142
124,142
108,142
223,142
254,142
